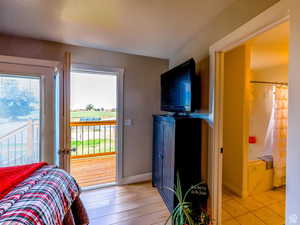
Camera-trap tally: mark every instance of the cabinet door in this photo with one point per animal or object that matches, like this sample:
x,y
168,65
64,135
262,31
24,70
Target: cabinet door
x,y
157,153
168,162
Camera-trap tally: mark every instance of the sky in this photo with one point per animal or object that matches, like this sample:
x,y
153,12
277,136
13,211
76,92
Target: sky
x,y
96,89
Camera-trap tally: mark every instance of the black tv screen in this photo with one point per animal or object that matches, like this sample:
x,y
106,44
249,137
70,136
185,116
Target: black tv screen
x,y
180,88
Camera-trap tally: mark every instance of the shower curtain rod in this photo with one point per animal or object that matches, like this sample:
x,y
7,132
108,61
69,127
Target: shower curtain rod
x,y
267,82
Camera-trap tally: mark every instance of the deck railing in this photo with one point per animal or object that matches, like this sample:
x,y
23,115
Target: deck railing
x,y
93,138
21,145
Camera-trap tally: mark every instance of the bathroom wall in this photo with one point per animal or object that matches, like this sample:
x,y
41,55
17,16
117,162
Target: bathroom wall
x,y
276,73
235,120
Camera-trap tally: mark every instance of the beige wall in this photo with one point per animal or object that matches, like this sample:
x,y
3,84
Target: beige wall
x,y
141,90
228,20
235,119
203,69
293,156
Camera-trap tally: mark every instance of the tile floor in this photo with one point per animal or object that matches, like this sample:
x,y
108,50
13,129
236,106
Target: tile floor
x,y
267,208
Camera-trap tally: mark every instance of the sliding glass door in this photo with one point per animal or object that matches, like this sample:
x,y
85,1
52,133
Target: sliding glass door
x,y
26,114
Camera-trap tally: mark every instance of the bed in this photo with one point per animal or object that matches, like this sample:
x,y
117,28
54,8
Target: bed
x,y
40,195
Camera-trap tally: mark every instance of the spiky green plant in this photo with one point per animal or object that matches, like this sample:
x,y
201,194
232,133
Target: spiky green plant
x,y
183,212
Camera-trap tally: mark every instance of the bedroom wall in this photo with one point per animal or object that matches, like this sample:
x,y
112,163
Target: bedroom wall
x,y
141,90
293,156
228,20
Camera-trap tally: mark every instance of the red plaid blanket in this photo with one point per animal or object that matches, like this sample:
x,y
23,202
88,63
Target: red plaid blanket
x,y
43,199
11,176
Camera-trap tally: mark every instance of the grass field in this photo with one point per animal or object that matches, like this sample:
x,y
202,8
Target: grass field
x,y
93,146
93,114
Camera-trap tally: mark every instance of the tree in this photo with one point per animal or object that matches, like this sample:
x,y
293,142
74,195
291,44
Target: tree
x,y
89,107
16,102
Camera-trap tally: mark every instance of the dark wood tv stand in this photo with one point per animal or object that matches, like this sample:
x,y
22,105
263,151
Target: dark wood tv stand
x,y
176,148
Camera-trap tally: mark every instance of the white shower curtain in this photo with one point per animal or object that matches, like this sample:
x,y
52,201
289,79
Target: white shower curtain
x,y
276,137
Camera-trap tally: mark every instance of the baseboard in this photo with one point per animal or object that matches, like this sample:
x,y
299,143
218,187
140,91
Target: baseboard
x,y
137,178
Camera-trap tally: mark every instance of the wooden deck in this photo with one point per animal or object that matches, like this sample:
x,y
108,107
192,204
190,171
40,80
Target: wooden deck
x,y
94,170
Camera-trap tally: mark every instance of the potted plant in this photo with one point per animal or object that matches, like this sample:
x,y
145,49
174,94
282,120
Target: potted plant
x,y
183,213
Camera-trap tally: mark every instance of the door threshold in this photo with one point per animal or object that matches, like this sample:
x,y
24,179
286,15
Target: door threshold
x,y
98,186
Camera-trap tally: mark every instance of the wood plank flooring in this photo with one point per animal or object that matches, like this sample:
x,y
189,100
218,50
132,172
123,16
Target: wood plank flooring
x,y
94,170
135,204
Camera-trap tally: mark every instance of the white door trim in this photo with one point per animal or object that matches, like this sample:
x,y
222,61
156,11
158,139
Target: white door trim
x,y
119,72
64,141
273,16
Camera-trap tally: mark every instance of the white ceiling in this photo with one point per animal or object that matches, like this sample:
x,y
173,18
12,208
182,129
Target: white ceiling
x,y
145,27
270,48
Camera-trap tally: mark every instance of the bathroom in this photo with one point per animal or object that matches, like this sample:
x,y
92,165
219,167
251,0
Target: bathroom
x,y
255,116
268,112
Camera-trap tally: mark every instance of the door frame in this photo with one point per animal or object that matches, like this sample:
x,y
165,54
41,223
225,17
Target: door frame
x,y
271,17
119,72
45,70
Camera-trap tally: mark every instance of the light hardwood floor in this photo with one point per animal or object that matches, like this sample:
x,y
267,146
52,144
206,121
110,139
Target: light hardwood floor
x,y
140,204
136,204
94,170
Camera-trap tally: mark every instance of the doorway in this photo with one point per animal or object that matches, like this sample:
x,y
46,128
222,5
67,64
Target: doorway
x,y
255,109
95,126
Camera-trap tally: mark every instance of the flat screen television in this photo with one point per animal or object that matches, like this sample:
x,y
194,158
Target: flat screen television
x,y
180,89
